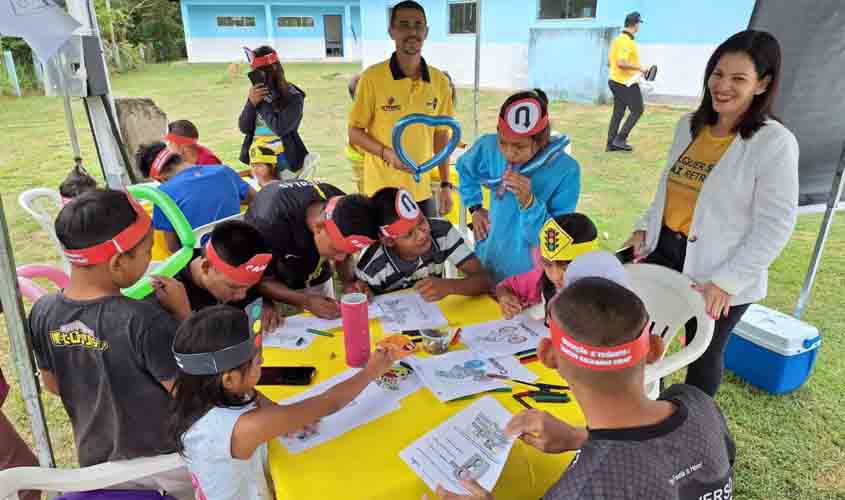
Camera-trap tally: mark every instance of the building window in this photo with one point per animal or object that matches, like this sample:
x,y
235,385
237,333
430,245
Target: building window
x,y
567,9
461,17
295,22
236,21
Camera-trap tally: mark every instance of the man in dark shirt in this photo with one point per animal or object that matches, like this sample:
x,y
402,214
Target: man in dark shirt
x,y
107,356
307,226
677,447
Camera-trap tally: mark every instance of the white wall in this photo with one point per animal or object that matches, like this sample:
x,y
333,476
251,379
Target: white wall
x,y
680,68
212,49
503,66
291,49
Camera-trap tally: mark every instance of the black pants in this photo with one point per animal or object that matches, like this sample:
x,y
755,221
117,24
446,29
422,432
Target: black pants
x,y
705,372
428,208
624,98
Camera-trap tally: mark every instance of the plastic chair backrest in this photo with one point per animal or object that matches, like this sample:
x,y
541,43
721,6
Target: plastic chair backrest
x,y
670,302
87,478
309,166
28,200
202,231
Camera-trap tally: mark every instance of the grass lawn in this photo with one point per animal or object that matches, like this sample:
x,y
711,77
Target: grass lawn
x,y
789,447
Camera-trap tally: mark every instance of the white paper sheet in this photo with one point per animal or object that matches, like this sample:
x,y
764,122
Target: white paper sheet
x,y
463,373
370,405
504,337
469,445
408,311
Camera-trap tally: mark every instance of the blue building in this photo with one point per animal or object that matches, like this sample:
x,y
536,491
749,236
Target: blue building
x,y
215,30
558,45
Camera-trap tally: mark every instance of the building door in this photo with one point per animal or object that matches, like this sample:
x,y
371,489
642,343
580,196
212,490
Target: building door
x,y
334,35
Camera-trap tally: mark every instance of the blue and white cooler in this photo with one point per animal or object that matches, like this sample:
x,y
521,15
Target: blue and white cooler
x,y
771,350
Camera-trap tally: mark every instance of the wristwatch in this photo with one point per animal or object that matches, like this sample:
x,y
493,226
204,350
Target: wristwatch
x,y
473,208
446,184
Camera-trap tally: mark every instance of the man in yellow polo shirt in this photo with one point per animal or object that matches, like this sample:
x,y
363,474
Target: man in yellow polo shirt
x,y
624,61
390,90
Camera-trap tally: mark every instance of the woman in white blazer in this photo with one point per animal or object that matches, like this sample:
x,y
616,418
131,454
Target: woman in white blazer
x,y
727,202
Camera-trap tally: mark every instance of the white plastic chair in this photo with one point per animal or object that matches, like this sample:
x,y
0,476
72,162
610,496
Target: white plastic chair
x,y
309,166
202,231
29,201
670,302
87,478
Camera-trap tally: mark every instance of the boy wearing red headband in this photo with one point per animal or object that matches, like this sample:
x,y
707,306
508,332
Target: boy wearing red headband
x,y
227,271
524,199
310,228
413,250
677,447
204,194
107,356
182,138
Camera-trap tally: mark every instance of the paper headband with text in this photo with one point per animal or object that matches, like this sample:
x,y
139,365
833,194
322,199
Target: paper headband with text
x,y
212,363
123,242
257,62
180,139
248,273
617,357
159,162
523,118
409,215
558,246
347,244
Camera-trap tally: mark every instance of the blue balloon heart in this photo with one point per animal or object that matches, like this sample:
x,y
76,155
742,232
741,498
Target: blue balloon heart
x,y
431,121
552,150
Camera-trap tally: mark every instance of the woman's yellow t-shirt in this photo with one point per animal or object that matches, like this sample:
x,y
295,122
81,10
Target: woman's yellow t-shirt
x,y
688,175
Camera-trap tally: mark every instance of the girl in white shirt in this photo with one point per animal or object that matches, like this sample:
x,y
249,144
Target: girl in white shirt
x,y
221,423
727,202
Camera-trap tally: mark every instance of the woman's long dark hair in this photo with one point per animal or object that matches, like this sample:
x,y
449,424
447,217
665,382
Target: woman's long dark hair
x,y
209,330
278,72
764,50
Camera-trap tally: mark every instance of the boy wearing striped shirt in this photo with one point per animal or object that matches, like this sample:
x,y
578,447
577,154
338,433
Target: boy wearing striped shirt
x,y
413,250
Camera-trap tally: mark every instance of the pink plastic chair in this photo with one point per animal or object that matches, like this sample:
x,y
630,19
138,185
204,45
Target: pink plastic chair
x,y
31,290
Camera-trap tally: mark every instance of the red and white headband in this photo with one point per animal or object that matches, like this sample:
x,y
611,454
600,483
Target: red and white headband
x,y
248,273
180,139
159,162
256,62
347,244
523,118
123,242
601,359
409,215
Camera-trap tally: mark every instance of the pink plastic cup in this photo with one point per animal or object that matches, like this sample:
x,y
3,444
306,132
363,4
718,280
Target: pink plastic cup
x,y
356,328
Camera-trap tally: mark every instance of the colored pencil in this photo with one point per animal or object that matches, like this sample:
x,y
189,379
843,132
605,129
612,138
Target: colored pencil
x,y
319,332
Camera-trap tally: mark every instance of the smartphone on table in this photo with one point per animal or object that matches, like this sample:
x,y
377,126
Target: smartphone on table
x,y
287,375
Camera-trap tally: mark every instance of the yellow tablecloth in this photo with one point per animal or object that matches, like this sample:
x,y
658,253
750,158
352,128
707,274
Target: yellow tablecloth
x,y
364,463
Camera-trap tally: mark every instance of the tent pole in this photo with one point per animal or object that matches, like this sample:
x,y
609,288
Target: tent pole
x,y
462,217
824,232
17,327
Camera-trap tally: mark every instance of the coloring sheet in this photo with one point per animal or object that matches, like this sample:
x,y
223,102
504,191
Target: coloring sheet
x,y
469,445
408,311
463,373
504,337
370,405
295,328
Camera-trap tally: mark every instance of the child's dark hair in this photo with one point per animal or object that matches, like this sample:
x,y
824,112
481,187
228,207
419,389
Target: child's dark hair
x,y
208,330
146,155
764,50
78,181
384,204
94,217
407,4
578,226
355,214
542,137
184,128
599,312
236,242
